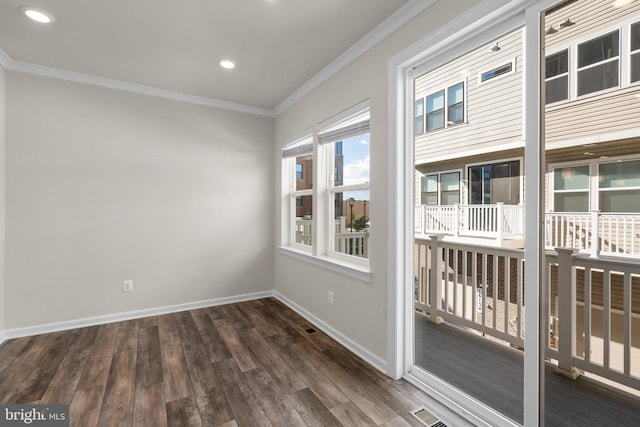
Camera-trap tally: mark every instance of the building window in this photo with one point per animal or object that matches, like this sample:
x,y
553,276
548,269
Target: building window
x,y
635,52
298,157
496,72
598,63
419,116
435,111
441,189
455,104
495,183
571,189
345,139
619,186
440,109
557,77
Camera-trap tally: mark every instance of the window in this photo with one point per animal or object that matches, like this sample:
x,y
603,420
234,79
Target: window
x,y
598,63
496,72
419,116
441,189
435,111
345,141
495,183
298,158
455,104
440,109
635,52
571,189
557,77
619,186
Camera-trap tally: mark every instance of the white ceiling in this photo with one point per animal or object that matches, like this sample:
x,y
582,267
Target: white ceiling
x,y
175,45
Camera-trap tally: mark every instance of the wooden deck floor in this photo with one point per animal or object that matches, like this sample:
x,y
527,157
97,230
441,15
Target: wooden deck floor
x,y
493,374
245,364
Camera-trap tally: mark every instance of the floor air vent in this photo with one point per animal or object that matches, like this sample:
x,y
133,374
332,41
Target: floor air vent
x,y
308,328
427,418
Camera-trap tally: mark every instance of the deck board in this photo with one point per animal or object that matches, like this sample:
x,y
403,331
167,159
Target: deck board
x,y
493,374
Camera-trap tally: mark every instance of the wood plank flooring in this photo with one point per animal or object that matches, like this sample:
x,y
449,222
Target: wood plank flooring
x,y
244,364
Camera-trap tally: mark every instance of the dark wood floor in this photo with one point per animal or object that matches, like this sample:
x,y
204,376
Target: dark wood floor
x,y
493,374
245,364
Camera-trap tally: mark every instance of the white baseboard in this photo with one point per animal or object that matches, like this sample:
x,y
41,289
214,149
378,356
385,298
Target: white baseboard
x,y
118,317
351,345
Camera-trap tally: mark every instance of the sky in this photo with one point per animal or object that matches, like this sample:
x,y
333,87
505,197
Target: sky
x,y
356,163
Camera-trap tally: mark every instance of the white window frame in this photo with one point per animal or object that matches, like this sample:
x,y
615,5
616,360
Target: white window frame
x,y
568,74
444,88
326,157
612,189
593,180
576,69
631,52
439,191
501,76
423,116
289,179
594,177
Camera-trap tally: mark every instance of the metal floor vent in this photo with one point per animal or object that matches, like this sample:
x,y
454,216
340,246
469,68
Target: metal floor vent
x,y
427,418
308,328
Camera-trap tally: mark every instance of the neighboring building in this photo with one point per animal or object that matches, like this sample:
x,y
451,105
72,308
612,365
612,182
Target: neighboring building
x,y
469,135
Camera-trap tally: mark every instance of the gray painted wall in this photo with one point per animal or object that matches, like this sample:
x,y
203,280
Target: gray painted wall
x,y
360,308
104,185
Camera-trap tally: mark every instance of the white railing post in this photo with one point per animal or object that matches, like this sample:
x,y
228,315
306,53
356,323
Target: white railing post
x,y
500,220
435,277
456,220
595,234
566,310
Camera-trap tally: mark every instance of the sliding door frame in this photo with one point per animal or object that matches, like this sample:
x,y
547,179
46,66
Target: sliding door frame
x,y
481,23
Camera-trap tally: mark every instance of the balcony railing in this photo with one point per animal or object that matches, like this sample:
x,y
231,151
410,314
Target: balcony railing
x,y
498,221
592,306
595,233
346,241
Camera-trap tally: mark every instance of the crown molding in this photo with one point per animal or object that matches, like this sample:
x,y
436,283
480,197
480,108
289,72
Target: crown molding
x,y
57,73
399,18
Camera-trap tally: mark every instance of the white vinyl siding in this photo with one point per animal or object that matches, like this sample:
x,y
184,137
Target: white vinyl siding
x,y
493,108
603,115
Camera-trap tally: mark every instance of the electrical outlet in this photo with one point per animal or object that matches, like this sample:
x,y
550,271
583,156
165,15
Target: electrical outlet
x,y
330,297
127,286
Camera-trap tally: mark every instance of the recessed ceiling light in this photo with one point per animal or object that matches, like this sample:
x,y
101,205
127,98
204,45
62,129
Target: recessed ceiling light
x,y
37,15
228,64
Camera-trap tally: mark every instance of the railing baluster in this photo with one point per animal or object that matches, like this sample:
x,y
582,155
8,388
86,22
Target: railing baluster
x,y
627,323
587,314
496,286
606,322
519,303
465,274
507,292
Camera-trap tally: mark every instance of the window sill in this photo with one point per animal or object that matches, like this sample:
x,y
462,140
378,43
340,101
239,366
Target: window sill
x,y
349,269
